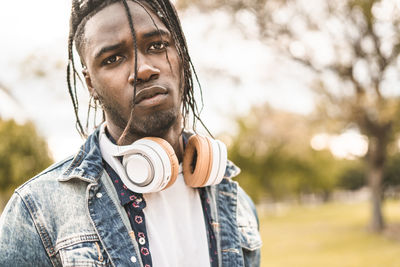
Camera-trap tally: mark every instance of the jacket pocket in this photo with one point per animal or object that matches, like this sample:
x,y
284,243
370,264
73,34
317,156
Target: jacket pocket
x,y
83,251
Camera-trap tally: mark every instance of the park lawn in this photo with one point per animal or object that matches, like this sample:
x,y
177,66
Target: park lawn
x,y
327,235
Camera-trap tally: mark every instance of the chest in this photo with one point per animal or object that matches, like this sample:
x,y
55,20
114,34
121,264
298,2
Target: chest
x,y
176,226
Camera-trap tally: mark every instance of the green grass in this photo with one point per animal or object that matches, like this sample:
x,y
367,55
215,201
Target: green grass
x,y
327,235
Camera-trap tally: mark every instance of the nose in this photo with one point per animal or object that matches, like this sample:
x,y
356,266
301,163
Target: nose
x,y
145,71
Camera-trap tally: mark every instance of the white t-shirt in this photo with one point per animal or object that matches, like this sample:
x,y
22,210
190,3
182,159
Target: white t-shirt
x,y
175,226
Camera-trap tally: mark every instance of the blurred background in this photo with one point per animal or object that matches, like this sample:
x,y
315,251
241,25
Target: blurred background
x,y
305,93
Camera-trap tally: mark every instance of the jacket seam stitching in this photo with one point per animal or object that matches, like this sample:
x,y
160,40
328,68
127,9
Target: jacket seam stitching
x,y
76,240
44,237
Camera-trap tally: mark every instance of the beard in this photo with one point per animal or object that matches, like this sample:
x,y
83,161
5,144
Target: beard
x,y
155,124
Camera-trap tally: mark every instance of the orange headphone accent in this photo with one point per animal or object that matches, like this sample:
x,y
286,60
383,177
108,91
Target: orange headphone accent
x,y
196,174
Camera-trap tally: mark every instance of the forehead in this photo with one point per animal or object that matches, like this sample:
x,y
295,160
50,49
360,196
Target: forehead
x,y
111,25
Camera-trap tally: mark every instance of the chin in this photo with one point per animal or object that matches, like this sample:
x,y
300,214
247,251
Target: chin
x,y
155,124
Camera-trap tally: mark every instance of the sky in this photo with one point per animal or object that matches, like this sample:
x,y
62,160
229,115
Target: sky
x,y
235,73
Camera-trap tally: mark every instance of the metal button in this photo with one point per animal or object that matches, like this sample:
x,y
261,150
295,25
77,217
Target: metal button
x,y
99,195
133,259
142,241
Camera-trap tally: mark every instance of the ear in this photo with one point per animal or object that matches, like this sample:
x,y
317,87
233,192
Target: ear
x,y
88,81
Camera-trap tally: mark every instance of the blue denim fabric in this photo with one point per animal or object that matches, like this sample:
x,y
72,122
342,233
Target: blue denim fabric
x,y
70,215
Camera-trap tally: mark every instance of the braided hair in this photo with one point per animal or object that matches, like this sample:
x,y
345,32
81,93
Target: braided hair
x,y
83,10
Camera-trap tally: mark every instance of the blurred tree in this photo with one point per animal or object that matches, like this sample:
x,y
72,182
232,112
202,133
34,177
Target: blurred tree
x,y
392,173
277,162
353,48
23,153
7,91
352,178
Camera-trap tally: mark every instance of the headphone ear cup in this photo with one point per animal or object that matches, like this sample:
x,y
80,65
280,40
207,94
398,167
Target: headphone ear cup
x,y
148,165
197,161
220,158
172,158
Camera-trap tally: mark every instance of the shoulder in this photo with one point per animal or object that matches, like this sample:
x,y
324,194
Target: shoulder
x,y
45,179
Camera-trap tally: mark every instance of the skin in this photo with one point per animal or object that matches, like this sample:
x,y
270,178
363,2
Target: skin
x,y
108,55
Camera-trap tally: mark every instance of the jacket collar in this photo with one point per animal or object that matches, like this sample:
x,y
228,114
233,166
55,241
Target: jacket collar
x,y
231,170
87,164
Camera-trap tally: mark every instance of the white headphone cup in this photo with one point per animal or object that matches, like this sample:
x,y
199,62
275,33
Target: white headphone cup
x,y
154,153
141,169
160,160
222,162
110,153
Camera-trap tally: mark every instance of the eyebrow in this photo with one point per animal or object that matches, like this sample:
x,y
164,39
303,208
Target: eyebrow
x,y
156,32
108,49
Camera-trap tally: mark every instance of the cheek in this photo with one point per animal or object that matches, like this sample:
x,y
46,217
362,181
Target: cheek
x,y
178,70
179,75
174,63
112,85
179,80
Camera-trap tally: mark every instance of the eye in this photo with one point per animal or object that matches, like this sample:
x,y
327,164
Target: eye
x,y
113,59
158,46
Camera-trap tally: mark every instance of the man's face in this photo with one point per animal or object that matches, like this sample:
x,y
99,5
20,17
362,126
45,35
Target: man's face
x,y
109,58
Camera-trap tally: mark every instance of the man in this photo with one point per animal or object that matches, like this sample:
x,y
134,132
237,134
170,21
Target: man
x,y
122,200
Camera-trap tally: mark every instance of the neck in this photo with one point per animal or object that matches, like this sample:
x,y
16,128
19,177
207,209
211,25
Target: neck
x,y
174,138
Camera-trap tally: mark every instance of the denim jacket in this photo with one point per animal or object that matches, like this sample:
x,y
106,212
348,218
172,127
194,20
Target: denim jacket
x,y
70,215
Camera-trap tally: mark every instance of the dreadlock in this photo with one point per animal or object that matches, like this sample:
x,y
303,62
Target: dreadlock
x,y
83,10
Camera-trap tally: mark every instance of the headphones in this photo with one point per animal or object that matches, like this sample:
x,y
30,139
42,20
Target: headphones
x,y
150,164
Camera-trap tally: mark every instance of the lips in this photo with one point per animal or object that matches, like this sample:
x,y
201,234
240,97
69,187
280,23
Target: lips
x,y
150,92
